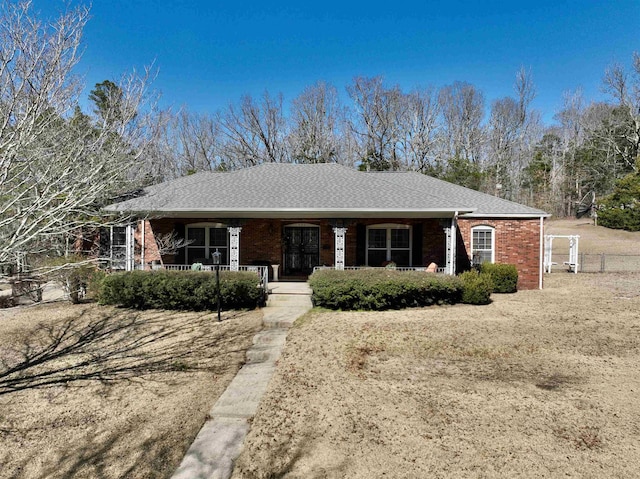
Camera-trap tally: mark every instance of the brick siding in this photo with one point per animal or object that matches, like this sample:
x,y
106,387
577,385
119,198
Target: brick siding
x,y
517,241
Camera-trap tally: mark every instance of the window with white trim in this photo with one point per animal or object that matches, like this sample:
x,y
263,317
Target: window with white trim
x,y
389,242
203,240
483,244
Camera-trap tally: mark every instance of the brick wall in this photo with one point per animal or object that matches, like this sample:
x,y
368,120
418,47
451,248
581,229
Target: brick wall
x,y
151,252
517,241
261,239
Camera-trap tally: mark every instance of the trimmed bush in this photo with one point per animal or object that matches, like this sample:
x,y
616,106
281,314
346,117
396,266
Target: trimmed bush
x,y
503,276
382,289
476,287
181,290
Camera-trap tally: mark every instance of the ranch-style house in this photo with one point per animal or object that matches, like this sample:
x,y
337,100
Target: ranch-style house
x,y
288,219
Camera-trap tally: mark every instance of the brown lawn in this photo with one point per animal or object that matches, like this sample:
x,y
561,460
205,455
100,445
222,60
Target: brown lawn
x,y
593,239
98,392
536,384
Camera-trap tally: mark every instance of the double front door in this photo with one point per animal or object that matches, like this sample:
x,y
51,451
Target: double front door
x,y
301,249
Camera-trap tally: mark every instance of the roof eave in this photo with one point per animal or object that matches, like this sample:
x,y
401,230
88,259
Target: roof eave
x,y
285,213
506,215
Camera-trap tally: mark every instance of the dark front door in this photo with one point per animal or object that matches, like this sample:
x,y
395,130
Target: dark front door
x,y
301,249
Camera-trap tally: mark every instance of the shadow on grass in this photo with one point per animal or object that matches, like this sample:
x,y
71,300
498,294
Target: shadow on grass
x,y
111,345
152,458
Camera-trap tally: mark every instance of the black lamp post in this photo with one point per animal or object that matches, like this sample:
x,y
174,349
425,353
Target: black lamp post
x,y
216,261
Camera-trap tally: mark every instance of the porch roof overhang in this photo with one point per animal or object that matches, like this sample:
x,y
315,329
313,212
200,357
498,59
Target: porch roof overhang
x,y
300,213
508,215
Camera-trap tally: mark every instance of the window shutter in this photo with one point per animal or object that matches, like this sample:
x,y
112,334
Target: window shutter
x,y
361,244
180,254
416,251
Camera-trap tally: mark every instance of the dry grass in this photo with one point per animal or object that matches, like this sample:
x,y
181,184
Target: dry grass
x,y
536,384
593,239
98,392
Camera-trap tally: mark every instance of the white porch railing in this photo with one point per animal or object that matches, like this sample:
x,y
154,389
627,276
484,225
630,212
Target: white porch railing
x,y
397,268
261,271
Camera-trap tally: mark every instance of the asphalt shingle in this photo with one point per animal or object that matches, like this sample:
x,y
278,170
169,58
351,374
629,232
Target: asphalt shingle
x,y
315,187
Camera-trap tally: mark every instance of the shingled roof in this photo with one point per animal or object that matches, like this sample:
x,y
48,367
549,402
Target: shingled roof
x,y
315,190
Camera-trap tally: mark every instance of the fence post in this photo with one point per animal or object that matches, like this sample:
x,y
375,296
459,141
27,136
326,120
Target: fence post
x,y
581,262
602,262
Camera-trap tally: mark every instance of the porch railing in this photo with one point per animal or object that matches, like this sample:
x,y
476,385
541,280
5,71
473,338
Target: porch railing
x,y
261,271
397,268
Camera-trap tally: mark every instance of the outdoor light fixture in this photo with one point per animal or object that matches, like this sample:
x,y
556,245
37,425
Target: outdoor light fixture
x,y
216,261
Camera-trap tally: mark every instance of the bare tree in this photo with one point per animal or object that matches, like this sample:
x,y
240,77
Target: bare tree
x,y
624,131
57,169
196,142
315,118
513,134
420,128
254,132
377,121
462,107
170,243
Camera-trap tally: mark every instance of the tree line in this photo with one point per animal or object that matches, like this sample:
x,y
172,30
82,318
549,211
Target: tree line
x,y
451,132
60,165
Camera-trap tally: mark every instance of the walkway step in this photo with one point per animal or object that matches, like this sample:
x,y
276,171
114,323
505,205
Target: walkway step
x,y
275,337
289,300
289,288
265,354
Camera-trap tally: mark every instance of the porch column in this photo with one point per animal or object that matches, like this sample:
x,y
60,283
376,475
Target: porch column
x,y
450,232
339,234
454,245
234,247
129,257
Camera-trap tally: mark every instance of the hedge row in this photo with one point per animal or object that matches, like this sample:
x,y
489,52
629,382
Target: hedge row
x,y
382,289
181,290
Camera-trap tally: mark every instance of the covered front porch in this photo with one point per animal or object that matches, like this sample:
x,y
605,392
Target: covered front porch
x,y
290,249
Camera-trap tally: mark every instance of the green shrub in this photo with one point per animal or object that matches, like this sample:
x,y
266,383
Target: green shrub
x,y
181,290
503,276
476,287
381,289
621,209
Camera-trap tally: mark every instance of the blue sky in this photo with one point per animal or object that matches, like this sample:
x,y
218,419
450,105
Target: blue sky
x,y
210,53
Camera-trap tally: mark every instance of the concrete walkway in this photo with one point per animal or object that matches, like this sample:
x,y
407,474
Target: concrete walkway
x,y
219,442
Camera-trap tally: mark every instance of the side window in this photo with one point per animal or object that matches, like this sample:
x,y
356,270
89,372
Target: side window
x,y
482,244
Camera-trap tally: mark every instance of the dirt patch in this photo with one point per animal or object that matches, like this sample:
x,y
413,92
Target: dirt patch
x,y
89,391
536,384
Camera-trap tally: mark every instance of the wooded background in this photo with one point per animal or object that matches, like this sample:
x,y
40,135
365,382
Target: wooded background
x,y
59,165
